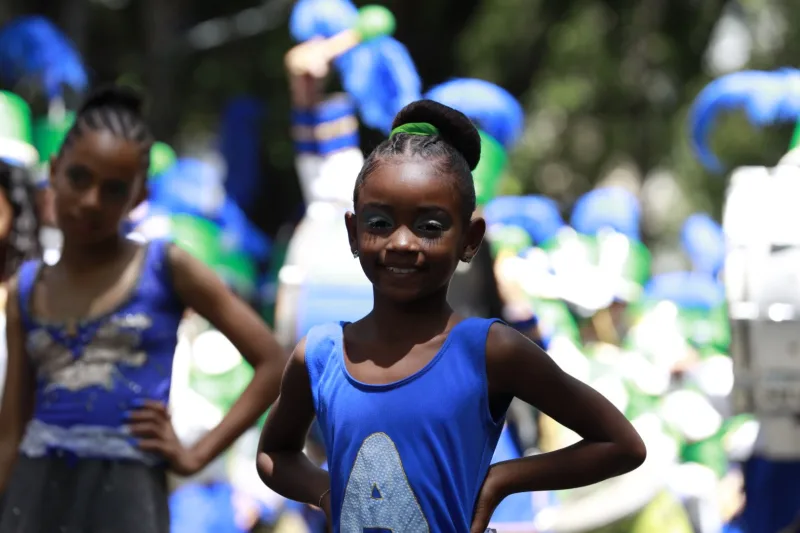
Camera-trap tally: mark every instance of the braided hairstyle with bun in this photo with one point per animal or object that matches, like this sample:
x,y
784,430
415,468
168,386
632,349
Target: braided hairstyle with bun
x,y
455,150
118,110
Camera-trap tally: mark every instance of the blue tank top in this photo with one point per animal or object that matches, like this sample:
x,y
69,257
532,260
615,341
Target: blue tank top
x,y
87,379
408,456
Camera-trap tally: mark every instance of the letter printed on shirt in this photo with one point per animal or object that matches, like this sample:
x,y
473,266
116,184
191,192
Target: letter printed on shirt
x,y
378,497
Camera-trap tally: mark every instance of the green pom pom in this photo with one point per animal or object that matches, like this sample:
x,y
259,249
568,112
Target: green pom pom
x,y
511,238
709,452
490,168
162,156
15,131
49,135
374,22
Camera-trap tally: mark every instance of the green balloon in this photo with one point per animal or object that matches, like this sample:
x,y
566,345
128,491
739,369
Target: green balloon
x,y
49,135
486,175
162,157
509,238
198,236
239,271
795,137
709,452
707,329
16,136
375,21
637,264
555,319
639,403
223,389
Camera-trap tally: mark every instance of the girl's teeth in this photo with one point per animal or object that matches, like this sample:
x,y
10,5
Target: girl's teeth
x,y
401,270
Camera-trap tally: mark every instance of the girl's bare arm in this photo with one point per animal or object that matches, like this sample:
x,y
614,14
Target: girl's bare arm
x,y
16,408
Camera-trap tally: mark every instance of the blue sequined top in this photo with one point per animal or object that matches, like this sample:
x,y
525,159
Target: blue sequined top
x,y
87,381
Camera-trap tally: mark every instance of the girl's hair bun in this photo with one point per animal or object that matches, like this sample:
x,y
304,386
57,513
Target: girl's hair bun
x,y
454,127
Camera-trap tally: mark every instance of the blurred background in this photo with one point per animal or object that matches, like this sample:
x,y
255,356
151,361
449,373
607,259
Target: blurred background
x,y
606,85
605,242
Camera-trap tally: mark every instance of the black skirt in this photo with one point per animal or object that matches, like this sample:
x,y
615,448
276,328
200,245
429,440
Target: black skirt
x,y
68,495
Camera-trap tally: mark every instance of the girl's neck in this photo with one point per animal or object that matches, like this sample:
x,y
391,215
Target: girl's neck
x,y
425,317
82,257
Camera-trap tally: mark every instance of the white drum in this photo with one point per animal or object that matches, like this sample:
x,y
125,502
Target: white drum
x,y
761,221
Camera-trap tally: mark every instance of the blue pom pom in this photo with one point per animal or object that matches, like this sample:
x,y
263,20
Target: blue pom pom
x,y
703,242
608,207
321,18
382,78
190,186
240,146
492,108
32,48
537,215
693,290
767,98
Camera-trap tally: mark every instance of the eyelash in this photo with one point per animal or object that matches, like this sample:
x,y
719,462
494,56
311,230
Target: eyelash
x,y
78,180
432,231
378,223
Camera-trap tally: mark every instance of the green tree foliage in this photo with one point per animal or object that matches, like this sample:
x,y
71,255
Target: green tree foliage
x,y
607,84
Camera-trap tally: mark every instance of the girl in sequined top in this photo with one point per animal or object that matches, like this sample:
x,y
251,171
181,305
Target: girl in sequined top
x,y
85,436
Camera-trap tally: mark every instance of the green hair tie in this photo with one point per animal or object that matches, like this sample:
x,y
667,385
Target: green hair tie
x,y
415,128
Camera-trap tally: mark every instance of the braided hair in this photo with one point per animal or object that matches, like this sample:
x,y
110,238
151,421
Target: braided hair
x,y
455,150
22,241
115,109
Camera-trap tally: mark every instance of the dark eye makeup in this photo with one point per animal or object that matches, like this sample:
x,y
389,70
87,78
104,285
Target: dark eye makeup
x,y
429,224
79,176
116,189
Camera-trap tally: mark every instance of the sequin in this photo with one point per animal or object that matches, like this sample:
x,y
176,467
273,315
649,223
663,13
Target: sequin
x,y
114,344
87,382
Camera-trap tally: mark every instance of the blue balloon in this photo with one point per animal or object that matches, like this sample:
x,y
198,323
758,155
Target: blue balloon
x,y
703,242
381,77
766,97
33,48
188,187
502,209
241,234
693,290
240,146
542,218
196,508
607,208
537,215
321,18
492,108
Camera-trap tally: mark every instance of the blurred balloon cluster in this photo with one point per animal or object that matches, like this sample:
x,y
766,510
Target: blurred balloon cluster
x,y
656,346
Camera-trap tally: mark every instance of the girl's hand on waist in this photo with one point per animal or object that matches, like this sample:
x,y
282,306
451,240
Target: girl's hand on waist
x,y
152,426
488,500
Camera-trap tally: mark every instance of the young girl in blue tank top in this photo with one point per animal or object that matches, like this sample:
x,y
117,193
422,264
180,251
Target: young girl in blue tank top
x,y
411,399
85,435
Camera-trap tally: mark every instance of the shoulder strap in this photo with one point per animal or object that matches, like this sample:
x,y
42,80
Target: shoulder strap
x,y
158,268
321,343
475,331
26,278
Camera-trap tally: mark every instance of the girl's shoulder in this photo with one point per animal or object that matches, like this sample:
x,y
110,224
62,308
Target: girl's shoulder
x,y
320,345
25,277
